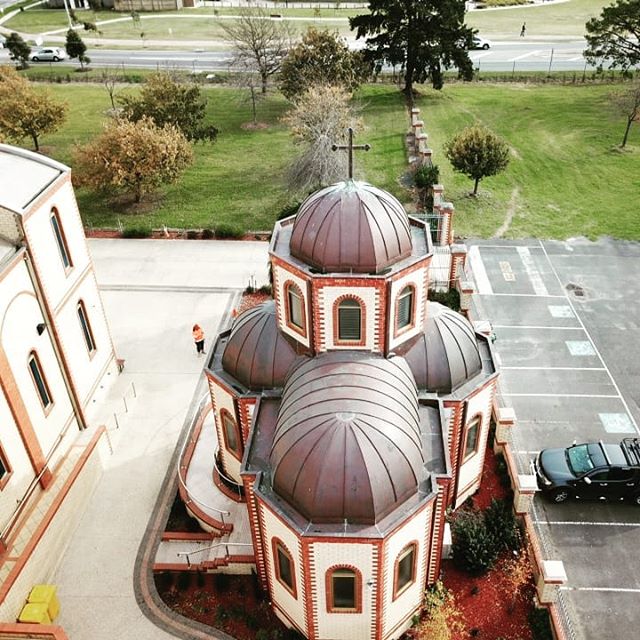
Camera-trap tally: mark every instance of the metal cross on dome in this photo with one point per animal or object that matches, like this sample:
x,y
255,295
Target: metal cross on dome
x,y
350,147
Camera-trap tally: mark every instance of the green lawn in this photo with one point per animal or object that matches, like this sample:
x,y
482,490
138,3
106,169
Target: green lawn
x,y
566,177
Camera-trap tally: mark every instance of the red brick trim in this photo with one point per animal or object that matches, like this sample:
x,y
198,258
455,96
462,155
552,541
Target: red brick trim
x,y
277,543
24,630
414,546
289,284
184,535
336,322
329,588
50,514
219,482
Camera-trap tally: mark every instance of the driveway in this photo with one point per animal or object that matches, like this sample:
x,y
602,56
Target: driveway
x,y
567,320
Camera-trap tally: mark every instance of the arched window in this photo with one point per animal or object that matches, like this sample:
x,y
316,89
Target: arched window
x,y
86,327
294,305
472,437
5,469
61,241
405,308
344,590
350,321
231,434
405,571
284,567
39,380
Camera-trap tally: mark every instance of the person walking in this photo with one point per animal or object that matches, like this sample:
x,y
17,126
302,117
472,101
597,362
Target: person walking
x,y
198,338
523,31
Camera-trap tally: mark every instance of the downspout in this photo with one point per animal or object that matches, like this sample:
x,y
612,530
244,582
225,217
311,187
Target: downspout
x,y
55,340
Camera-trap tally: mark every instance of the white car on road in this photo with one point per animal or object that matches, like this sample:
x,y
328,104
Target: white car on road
x,y
50,54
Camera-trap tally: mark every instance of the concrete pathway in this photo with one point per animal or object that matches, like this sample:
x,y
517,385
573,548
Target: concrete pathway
x,y
153,292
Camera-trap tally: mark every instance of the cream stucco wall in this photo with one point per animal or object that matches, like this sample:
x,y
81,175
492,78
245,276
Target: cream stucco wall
x,y
470,472
275,528
417,279
281,277
20,313
222,399
327,297
344,626
397,611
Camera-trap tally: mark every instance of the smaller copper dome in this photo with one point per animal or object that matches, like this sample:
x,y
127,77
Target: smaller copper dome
x,y
446,354
257,354
347,445
351,227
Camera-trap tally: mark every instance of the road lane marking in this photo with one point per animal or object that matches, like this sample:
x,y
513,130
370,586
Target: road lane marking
x,y
612,589
530,268
586,523
479,272
534,326
556,368
523,56
525,295
557,395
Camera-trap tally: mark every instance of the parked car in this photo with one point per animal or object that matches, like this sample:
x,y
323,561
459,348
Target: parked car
x,y
50,54
480,43
591,471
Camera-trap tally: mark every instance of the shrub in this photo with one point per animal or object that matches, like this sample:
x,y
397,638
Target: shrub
x,y
426,176
473,547
288,210
502,471
540,624
266,288
228,231
449,298
221,614
262,634
192,234
208,234
184,579
138,231
502,526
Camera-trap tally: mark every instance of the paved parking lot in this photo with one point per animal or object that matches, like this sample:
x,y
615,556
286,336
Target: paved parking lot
x,y
567,320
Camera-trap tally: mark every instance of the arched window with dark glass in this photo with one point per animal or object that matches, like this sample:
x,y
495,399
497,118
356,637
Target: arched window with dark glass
x,y
295,307
61,241
472,437
39,380
349,320
231,434
344,590
86,327
405,570
405,308
284,567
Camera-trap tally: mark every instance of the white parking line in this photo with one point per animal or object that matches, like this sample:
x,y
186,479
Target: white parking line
x,y
613,589
613,382
557,395
586,523
555,368
479,272
532,326
528,295
530,268
523,56
480,55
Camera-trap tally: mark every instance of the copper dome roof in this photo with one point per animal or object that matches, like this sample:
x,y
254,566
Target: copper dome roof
x,y
347,444
446,354
257,354
351,226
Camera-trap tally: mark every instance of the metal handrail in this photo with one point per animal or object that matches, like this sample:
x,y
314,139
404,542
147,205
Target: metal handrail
x,y
222,474
183,484
187,554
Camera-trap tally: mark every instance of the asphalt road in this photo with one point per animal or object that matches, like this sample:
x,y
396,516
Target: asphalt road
x,y
570,367
503,56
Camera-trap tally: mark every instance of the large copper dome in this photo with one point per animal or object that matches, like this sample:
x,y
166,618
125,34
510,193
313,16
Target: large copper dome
x,y
446,354
257,354
347,444
351,227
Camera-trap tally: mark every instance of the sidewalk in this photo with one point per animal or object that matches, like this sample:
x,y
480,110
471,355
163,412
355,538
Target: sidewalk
x,y
153,291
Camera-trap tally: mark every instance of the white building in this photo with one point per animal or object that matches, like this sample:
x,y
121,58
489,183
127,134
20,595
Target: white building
x,y
55,353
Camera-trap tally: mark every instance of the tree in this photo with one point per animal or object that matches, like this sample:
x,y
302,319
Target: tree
x,y
248,79
320,119
477,152
321,58
26,112
628,103
423,36
134,157
259,42
19,50
615,35
76,48
167,101
109,79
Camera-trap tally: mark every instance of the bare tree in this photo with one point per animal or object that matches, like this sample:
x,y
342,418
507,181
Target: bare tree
x,y
259,41
248,79
109,79
628,103
320,119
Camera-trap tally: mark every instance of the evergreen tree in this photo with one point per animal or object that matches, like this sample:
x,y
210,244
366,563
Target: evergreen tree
x,y
425,37
19,50
76,48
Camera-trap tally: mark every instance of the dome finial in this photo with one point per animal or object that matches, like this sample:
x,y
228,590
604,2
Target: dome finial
x,y
350,147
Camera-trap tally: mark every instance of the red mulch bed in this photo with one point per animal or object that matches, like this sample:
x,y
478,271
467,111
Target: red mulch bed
x,y
250,300
230,603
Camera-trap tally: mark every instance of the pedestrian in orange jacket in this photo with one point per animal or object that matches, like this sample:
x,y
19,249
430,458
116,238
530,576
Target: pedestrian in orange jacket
x,y
198,337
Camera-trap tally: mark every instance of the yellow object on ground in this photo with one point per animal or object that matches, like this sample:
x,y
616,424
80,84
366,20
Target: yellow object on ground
x,y
35,613
46,594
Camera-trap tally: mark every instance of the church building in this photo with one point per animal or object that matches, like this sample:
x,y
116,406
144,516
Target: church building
x,y
351,413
